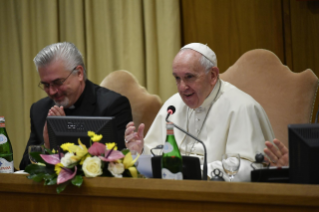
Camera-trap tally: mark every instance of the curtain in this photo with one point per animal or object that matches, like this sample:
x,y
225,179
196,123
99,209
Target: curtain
x,y
141,36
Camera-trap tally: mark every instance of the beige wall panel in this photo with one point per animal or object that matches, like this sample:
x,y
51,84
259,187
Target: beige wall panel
x,y
232,27
305,34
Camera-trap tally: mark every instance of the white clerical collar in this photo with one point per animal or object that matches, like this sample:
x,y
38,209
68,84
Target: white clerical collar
x,y
211,97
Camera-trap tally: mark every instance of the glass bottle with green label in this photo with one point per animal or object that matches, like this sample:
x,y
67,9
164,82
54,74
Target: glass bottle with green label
x,y
172,163
6,153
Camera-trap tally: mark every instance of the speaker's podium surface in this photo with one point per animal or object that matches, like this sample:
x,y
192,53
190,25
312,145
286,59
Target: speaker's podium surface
x,y
17,193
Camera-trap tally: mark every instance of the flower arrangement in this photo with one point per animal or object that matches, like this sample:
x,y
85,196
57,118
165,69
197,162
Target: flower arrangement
x,y
78,161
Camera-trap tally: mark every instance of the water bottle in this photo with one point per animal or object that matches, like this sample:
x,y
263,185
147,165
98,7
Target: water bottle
x,y
172,163
6,153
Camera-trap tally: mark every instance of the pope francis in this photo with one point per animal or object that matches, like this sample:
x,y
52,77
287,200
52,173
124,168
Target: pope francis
x,y
225,118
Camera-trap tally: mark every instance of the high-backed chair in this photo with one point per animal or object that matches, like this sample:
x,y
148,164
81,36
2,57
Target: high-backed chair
x,y
287,97
144,105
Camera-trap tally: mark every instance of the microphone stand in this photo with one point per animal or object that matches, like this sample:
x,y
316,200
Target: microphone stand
x,y
205,152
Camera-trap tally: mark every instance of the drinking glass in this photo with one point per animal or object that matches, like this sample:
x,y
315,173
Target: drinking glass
x,y
35,148
231,164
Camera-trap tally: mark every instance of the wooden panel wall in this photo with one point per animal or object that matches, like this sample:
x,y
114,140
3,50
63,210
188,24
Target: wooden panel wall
x,y
305,35
232,27
289,28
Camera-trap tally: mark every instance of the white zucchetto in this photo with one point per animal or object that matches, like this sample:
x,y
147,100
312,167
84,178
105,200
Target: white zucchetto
x,y
203,50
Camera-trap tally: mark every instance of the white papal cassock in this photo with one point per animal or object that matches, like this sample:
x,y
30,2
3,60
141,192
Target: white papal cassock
x,y
228,121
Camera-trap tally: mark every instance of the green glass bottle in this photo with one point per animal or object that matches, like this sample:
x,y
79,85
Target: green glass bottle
x,y
6,153
172,163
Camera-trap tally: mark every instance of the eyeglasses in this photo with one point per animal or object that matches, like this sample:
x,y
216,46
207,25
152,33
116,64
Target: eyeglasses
x,y
55,84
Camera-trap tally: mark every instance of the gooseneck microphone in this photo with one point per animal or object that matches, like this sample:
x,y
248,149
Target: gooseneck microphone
x,y
171,110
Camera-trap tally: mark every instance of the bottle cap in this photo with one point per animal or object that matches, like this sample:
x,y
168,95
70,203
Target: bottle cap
x,y
2,119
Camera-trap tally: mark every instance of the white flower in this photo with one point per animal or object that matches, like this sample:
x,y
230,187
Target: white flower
x,y
92,166
116,169
67,159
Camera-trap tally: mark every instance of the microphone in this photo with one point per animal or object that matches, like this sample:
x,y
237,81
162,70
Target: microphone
x,y
171,110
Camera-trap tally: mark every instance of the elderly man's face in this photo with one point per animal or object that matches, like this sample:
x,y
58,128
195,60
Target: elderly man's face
x,y
193,83
70,90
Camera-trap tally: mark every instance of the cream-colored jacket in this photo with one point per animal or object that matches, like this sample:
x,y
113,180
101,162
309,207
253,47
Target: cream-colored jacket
x,y
229,121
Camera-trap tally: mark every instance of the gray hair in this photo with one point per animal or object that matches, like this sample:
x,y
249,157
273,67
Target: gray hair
x,y
65,51
207,64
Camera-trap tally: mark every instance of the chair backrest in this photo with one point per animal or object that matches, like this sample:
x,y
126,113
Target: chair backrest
x,y
144,105
287,97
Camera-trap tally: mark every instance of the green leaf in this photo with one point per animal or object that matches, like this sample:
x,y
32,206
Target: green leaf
x,y
125,151
52,181
36,177
48,151
37,169
33,168
61,187
77,181
48,176
37,157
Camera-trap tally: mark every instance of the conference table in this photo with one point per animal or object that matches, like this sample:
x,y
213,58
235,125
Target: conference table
x,y
17,193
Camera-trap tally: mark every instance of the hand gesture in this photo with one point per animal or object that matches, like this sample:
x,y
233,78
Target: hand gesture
x,y
54,111
278,154
134,141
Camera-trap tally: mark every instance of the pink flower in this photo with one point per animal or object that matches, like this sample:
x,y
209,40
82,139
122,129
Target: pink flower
x,y
51,159
112,155
66,174
97,149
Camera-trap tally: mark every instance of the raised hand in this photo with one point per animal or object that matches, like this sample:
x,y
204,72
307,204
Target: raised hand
x,y
278,154
54,111
134,141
